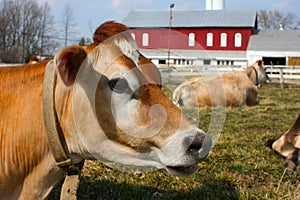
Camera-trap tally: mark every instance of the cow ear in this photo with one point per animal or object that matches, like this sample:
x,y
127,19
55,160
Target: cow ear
x,y
68,62
260,62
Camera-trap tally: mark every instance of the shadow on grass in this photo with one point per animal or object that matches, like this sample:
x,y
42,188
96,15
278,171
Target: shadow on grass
x,y
212,189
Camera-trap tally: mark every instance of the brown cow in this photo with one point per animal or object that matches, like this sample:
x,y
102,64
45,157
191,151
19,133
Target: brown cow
x,y
288,146
230,89
106,109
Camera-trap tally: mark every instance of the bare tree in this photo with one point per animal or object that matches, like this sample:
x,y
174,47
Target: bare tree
x,y
45,36
68,23
10,34
25,29
277,19
30,26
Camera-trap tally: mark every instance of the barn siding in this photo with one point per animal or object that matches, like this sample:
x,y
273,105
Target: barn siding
x,y
158,38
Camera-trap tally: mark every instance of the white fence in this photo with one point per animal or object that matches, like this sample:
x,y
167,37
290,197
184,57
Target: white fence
x,y
283,74
278,74
8,65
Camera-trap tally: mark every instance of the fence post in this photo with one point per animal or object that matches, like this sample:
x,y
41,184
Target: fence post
x,y
281,80
169,74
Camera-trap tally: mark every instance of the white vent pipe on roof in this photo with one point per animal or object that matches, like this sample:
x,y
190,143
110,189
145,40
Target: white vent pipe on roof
x,y
215,4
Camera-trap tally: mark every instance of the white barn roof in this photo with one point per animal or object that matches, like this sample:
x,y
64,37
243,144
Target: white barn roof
x,y
275,40
190,18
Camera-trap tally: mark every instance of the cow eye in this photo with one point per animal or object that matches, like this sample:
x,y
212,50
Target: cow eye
x,y
119,85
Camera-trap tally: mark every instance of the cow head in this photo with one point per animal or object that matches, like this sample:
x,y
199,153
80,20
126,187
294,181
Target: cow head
x,y
109,110
288,146
262,76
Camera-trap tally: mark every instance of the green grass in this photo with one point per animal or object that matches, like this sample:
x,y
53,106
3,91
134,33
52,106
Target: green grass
x,y
238,167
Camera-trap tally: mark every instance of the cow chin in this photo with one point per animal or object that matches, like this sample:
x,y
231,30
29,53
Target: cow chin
x,y
182,170
187,165
188,168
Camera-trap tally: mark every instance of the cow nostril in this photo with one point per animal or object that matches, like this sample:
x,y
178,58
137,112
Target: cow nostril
x,y
205,148
201,145
195,146
269,143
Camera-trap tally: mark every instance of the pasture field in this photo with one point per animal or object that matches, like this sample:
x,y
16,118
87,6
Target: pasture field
x,y
238,167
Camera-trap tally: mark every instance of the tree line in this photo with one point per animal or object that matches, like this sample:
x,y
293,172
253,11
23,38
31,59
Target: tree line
x,y
277,20
27,28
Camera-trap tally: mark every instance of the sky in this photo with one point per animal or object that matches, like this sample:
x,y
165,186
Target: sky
x,y
89,14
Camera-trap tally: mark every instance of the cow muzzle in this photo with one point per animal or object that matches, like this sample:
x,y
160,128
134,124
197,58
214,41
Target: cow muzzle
x,y
198,150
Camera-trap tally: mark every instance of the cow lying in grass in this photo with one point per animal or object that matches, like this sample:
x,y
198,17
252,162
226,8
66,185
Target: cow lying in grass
x,y
288,146
101,105
230,89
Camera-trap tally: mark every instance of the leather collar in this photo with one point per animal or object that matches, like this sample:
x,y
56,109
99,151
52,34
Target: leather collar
x,y
256,77
55,136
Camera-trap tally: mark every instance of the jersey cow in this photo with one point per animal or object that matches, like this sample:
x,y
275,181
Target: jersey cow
x,y
102,105
288,146
230,89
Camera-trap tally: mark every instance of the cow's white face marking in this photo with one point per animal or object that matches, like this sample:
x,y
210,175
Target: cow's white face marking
x,y
126,44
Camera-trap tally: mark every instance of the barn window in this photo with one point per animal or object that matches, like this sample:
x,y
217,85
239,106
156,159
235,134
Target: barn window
x,y
145,41
209,39
191,39
223,40
238,40
206,62
162,62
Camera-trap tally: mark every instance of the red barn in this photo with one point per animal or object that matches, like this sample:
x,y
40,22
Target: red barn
x,y
184,37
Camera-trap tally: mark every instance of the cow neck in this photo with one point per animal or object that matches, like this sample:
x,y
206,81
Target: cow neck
x,y
256,76
55,136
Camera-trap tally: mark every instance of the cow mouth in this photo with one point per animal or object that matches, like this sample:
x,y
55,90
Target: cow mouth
x,y
182,170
